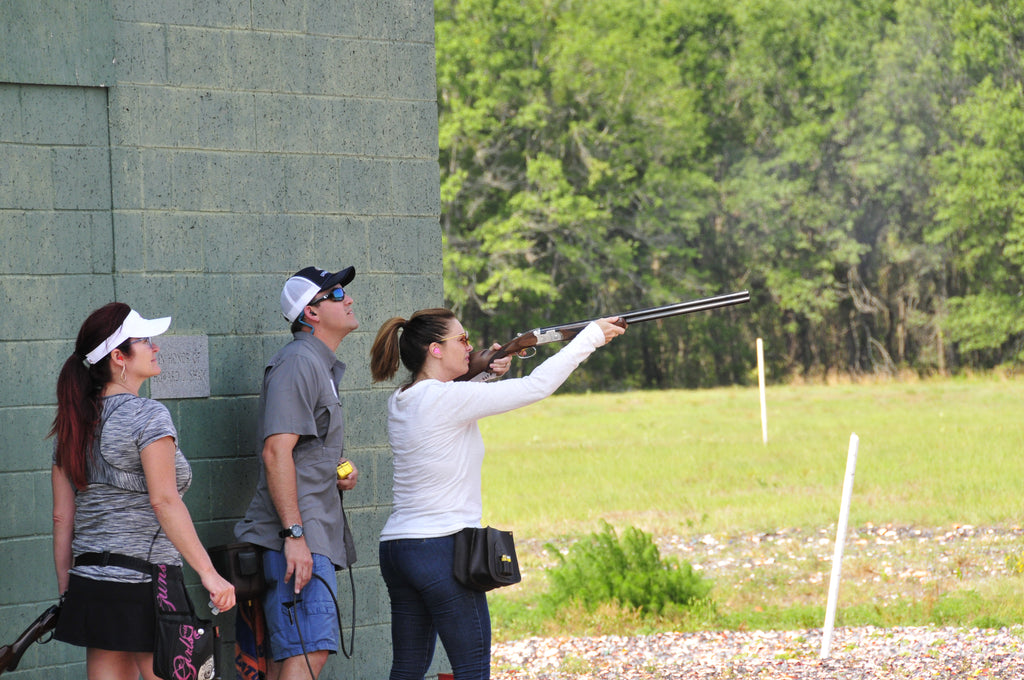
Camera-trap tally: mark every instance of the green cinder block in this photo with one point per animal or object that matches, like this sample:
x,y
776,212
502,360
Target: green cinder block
x,y
10,113
25,509
270,15
257,184
26,180
409,131
81,178
24,446
312,183
65,242
64,116
29,575
408,21
157,178
415,187
140,53
360,184
387,255
25,295
53,42
127,179
226,121
410,71
202,181
198,57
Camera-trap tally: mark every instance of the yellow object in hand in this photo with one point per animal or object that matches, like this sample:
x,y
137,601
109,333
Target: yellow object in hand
x,y
344,470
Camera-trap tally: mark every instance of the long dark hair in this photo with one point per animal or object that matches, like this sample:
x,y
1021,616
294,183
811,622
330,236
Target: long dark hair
x,y
422,328
79,390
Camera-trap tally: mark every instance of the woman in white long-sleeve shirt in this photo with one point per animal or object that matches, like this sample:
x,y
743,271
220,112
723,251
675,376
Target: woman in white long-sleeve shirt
x,y
438,453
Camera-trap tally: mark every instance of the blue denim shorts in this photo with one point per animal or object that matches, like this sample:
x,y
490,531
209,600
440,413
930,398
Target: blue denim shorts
x,y
307,622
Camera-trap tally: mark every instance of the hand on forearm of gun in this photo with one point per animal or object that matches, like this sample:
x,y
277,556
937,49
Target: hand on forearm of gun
x,y
499,366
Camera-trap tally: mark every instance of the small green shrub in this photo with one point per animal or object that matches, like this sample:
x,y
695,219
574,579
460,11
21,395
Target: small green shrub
x,y
602,568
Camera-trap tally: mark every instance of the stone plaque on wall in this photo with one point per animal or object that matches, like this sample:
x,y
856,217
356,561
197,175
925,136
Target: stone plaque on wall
x,y
184,367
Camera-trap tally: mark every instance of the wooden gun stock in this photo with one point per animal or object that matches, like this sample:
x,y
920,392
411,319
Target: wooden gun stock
x,y
480,360
10,655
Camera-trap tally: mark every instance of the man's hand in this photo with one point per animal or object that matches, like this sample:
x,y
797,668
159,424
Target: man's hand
x,y
349,482
300,562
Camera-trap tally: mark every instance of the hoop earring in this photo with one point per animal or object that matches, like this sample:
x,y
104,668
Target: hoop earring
x,y
123,378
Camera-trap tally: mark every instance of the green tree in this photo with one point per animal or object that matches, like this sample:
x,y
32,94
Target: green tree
x,y
979,192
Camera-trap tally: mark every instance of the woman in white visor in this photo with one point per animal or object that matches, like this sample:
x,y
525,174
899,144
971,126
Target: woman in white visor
x,y
118,477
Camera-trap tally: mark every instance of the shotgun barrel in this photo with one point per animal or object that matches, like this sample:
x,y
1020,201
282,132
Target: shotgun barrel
x,y
480,360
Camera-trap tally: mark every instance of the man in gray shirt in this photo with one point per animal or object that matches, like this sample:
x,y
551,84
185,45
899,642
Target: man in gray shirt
x,y
296,512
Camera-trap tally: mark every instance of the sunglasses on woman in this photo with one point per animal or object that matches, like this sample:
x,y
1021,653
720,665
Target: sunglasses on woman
x,y
461,337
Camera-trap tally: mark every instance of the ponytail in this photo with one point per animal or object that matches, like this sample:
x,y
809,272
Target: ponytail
x,y
79,392
384,353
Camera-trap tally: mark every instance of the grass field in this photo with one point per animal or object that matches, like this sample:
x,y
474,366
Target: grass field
x,y
935,455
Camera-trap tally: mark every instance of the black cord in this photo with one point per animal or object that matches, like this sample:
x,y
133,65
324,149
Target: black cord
x,y
337,608
352,586
294,603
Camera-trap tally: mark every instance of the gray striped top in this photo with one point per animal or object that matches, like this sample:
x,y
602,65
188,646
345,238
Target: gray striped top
x,y
113,512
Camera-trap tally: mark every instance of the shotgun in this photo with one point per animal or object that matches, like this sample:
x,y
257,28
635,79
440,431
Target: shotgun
x,y
10,655
521,344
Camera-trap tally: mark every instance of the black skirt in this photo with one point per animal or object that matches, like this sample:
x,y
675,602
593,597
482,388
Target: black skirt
x,y
107,615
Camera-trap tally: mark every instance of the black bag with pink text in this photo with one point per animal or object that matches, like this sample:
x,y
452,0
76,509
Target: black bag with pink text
x,y
185,644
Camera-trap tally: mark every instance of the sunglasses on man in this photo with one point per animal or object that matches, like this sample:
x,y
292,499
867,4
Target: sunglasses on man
x,y
334,295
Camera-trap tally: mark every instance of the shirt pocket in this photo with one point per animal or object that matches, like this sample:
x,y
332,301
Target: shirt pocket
x,y
333,432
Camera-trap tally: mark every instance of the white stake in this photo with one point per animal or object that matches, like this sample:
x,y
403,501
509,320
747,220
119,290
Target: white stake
x,y
837,556
760,383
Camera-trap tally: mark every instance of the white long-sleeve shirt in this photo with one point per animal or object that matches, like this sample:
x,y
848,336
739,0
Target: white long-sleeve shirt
x,y
437,446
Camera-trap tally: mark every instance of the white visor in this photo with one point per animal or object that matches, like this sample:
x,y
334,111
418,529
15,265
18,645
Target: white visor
x,y
134,326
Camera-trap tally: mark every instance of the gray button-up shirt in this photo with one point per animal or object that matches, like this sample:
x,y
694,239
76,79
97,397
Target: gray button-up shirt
x,y
300,396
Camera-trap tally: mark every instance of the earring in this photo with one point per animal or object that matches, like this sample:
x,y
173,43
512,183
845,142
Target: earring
x,y
124,367
436,352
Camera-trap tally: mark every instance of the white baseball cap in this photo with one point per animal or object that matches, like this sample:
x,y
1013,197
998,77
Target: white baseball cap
x,y
306,283
134,326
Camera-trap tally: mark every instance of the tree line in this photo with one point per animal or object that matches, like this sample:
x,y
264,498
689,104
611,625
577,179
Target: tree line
x,y
857,165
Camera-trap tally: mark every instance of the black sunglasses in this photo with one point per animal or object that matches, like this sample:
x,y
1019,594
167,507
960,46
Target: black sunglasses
x,y
335,295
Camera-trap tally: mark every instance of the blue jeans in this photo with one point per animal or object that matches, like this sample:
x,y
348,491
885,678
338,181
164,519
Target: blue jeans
x,y
427,602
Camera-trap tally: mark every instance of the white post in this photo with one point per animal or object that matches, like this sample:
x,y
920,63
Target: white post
x,y
837,556
760,384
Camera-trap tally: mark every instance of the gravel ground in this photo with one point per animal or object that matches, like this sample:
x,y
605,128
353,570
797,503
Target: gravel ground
x,y
856,653
896,562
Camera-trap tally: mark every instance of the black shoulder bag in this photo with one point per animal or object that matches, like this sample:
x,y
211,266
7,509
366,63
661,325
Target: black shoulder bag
x,y
184,645
485,558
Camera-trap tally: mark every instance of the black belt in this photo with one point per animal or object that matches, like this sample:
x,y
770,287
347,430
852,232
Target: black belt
x,y
109,559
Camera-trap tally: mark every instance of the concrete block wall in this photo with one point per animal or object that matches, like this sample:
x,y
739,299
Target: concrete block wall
x,y
186,158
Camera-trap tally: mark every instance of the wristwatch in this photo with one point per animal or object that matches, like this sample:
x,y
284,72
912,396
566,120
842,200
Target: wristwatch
x,y
294,531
